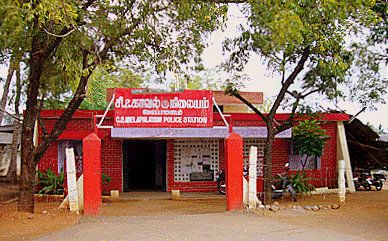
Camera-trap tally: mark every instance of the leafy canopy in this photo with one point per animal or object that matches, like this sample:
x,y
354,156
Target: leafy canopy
x,y
309,138
282,31
137,34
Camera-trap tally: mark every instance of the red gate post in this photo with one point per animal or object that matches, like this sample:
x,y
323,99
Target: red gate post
x,y
234,171
91,148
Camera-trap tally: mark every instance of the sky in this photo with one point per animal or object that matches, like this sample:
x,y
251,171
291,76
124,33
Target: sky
x,y
262,80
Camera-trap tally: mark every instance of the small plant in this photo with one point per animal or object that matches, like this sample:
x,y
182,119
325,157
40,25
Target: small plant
x,y
300,182
105,179
309,139
49,182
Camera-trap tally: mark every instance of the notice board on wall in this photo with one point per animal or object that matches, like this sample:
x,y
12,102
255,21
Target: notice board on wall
x,y
195,160
189,108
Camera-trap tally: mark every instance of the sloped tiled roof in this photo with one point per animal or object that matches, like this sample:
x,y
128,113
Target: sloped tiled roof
x,y
223,99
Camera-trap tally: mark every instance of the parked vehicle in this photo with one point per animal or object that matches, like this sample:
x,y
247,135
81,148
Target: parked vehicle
x,y
360,182
364,179
378,181
283,185
221,184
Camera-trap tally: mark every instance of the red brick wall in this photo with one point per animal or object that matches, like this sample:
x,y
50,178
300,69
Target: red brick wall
x,y
82,124
204,186
50,158
326,176
78,128
112,163
279,155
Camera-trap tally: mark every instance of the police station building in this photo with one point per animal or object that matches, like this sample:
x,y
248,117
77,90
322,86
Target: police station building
x,y
165,141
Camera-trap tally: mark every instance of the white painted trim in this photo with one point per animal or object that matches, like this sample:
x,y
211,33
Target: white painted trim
x,y
344,153
219,111
106,111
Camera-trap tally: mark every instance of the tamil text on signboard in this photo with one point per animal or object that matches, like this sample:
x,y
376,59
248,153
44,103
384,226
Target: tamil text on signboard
x,y
190,108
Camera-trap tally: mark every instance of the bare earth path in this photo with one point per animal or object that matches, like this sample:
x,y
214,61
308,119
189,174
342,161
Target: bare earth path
x,y
364,216
220,226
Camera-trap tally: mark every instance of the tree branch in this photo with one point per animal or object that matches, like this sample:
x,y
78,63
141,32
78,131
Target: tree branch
x,y
367,146
249,104
43,127
110,43
73,105
290,80
11,115
290,120
59,36
309,93
88,4
4,98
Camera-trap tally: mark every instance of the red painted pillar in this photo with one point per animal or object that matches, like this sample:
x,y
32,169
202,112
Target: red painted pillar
x,y
91,148
234,171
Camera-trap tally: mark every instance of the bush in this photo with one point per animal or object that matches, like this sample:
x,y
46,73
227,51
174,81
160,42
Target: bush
x,y
105,179
300,182
49,182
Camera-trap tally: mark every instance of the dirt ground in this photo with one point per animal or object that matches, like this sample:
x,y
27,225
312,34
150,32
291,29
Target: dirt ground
x,y
364,214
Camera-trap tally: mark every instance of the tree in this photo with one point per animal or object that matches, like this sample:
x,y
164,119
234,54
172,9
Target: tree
x,y
372,59
304,41
63,42
12,172
207,79
99,82
309,139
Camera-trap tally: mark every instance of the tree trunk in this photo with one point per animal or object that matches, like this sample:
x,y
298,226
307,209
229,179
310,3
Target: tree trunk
x,y
304,162
27,175
27,185
12,171
268,177
42,47
30,154
4,98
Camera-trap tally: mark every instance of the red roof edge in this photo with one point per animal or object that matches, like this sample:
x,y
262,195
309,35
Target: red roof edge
x,y
217,117
284,116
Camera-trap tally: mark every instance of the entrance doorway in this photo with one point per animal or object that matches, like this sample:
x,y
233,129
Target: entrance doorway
x,y
144,165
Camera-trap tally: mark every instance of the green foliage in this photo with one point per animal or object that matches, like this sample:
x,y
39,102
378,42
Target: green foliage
x,y
106,179
104,37
309,138
380,28
202,80
282,31
300,182
101,80
378,130
61,43
265,107
49,182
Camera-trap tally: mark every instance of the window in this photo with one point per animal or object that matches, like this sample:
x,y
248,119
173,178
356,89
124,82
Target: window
x,y
298,161
195,160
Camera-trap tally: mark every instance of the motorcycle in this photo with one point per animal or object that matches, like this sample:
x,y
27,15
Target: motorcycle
x,y
221,184
378,181
283,185
366,180
278,191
